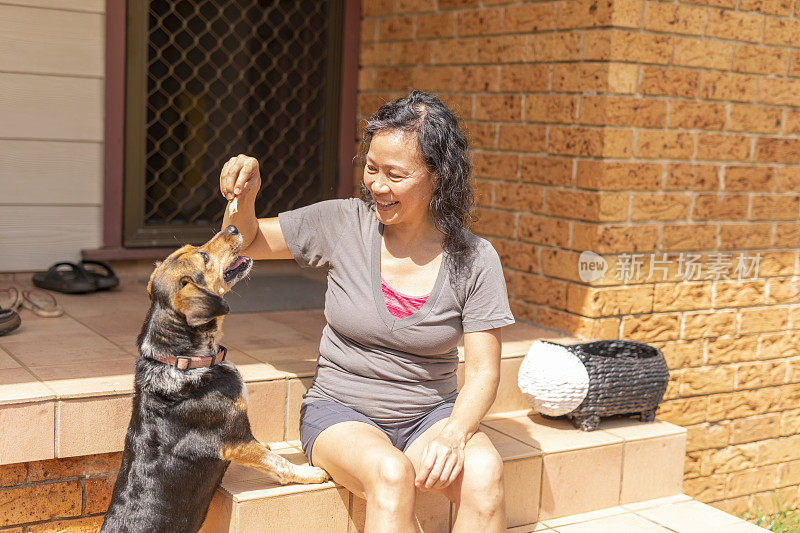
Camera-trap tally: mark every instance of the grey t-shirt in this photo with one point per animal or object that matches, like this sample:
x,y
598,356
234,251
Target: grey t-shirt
x,y
386,368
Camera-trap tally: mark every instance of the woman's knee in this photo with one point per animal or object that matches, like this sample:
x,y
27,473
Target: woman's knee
x,y
482,482
392,471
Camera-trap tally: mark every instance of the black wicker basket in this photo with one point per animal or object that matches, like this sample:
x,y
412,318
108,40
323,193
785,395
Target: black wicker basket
x,y
625,377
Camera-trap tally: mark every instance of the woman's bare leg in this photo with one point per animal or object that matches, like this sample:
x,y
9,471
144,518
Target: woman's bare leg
x,y
362,459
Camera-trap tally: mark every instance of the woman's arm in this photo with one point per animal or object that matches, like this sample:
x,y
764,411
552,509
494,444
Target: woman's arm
x,y
443,458
239,183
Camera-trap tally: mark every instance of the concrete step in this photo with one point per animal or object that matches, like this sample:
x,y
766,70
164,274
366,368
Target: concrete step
x,y
552,470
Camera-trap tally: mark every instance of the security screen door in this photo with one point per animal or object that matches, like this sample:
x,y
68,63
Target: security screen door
x,y
207,80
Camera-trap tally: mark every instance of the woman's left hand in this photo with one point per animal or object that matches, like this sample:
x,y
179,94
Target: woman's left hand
x,y
442,462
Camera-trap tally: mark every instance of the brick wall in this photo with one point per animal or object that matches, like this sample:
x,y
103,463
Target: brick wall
x,y
632,126
57,495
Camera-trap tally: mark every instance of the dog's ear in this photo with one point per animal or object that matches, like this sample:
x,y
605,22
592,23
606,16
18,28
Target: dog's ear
x,y
150,281
197,304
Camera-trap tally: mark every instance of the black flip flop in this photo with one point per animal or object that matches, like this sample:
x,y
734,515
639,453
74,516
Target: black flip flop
x,y
65,277
101,274
9,321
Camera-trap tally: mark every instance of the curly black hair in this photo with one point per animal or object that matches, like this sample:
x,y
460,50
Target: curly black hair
x,y
444,150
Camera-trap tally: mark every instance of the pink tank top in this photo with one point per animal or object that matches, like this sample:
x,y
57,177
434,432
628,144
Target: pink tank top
x,y
399,304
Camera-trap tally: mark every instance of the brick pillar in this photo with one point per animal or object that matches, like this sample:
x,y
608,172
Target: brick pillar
x,y
637,127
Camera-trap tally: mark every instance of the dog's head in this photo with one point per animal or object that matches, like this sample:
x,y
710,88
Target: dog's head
x,y
193,279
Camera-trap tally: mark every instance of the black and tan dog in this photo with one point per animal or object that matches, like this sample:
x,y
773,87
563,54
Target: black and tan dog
x,y
189,407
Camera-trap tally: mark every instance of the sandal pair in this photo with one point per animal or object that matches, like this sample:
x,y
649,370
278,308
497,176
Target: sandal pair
x,y
72,278
40,302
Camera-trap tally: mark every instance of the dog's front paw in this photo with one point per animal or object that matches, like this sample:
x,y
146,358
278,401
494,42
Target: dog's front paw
x,y
311,474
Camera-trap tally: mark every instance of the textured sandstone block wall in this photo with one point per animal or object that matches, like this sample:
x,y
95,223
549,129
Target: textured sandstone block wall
x,y
637,127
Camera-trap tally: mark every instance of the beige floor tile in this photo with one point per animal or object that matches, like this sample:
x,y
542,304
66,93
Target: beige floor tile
x,y
94,425
290,513
252,369
581,480
18,385
656,502
219,518
509,397
632,429
614,524
6,361
27,433
509,448
690,517
528,528
77,344
585,517
307,322
522,484
652,468
298,366
551,436
252,331
266,409
295,390
80,380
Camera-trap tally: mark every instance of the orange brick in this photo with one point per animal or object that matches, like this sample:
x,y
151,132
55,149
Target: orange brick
x,y
727,24
98,493
702,53
779,92
717,3
779,450
761,374
739,293
773,7
74,466
782,31
738,236
12,474
606,110
609,301
455,4
495,223
683,411
544,230
792,122
727,349
501,166
517,255
433,25
688,237
458,51
586,205
617,143
674,18
783,291
775,207
605,77
683,296
524,197
34,503
525,78
679,354
607,175
691,177
696,115
481,134
498,107
627,13
561,264
477,78
706,488
723,147
89,524
484,193
729,406
522,138
787,235
550,108
606,239
377,54
480,22
377,7
653,327
576,141
664,144
657,206
548,170
745,482
627,46
706,380
727,86
760,119
777,263
720,207
709,324
540,290
584,13
669,81
530,17
762,320
745,178
760,60
778,150
554,47
433,78
396,28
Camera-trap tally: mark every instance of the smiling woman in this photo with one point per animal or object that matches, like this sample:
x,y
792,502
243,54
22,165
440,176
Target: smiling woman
x,y
383,414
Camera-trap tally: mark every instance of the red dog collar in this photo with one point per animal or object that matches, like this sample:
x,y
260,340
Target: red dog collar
x,y
188,362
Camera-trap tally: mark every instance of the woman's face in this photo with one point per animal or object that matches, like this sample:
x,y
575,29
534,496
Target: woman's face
x,y
398,179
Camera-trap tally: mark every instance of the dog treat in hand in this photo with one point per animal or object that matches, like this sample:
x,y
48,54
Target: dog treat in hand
x,y
234,205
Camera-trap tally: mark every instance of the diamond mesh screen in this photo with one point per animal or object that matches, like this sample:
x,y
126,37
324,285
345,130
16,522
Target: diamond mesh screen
x,y
223,78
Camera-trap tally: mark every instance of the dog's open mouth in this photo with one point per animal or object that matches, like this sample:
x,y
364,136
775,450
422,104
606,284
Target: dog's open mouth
x,y
238,269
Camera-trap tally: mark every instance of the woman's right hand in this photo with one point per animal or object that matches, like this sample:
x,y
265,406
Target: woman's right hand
x,y
239,176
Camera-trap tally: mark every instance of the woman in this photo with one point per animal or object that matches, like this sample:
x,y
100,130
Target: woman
x,y
405,281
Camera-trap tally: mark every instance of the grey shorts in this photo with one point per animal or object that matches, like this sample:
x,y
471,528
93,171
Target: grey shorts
x,y
319,415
